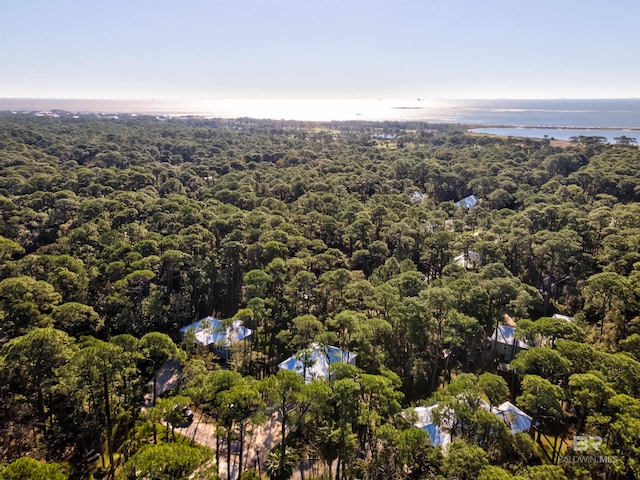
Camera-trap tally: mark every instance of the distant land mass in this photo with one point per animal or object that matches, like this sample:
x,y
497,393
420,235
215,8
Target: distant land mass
x,y
588,113
554,118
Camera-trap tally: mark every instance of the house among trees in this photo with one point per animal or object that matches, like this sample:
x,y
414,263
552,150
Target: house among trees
x,y
467,202
468,259
314,362
563,317
417,197
437,436
515,418
439,429
505,344
218,334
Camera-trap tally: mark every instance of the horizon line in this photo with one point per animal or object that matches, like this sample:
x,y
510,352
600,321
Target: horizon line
x,y
372,98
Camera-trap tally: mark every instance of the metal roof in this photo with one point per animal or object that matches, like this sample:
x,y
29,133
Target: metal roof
x,y
210,331
320,357
507,336
467,202
515,418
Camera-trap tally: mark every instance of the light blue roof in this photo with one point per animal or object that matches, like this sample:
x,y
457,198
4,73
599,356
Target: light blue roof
x,y
320,357
507,336
437,436
515,418
467,202
209,331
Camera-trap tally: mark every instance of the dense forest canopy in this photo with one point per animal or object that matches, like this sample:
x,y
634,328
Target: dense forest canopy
x,y
116,232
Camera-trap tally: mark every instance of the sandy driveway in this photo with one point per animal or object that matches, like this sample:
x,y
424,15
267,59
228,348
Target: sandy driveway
x,y
258,441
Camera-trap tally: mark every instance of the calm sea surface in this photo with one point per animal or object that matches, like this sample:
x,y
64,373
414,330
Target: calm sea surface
x,y
560,133
618,114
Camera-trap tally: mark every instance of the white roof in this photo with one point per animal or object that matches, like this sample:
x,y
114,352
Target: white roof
x,y
467,202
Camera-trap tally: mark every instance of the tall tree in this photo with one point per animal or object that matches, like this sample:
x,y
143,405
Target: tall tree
x,y
27,468
345,396
25,303
287,391
494,387
157,348
31,363
439,303
207,392
589,393
165,462
95,367
239,405
541,398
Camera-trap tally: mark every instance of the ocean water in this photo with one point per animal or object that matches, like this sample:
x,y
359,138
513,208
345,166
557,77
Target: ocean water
x,y
560,133
621,114
597,113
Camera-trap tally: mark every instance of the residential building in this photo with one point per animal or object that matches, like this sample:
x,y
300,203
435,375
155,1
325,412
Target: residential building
x,y
218,335
314,362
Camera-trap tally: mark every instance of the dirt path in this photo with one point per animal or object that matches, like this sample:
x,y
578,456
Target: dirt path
x,y
166,380
258,441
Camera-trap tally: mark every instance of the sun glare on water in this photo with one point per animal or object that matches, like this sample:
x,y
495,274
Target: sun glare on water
x,y
314,109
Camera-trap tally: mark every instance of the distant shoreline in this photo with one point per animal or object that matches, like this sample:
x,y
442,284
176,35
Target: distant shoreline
x,y
547,127
468,126
595,114
557,135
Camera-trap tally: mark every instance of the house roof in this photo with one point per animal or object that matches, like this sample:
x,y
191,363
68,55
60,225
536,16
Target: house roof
x,y
321,356
507,336
563,317
437,436
515,418
512,415
469,260
417,197
210,331
467,202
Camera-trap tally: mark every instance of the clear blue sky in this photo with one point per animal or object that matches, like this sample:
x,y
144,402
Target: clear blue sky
x,y
321,48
